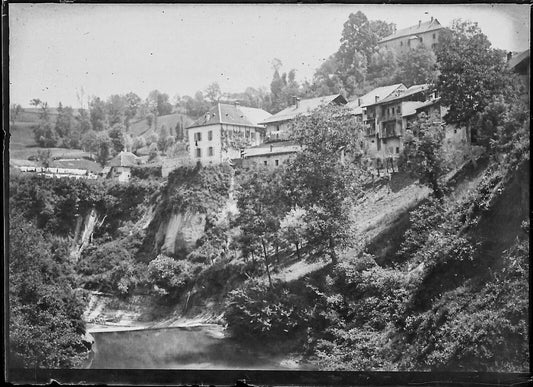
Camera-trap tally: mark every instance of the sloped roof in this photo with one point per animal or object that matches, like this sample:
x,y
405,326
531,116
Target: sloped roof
x,y
409,107
370,97
304,107
401,94
232,114
518,59
413,30
272,148
124,159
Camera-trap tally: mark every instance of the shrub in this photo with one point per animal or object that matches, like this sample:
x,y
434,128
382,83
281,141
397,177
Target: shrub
x,y
168,275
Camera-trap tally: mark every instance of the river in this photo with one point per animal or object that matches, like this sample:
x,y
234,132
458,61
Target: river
x,y
196,347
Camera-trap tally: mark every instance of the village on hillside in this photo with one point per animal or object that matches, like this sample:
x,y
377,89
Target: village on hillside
x,y
230,132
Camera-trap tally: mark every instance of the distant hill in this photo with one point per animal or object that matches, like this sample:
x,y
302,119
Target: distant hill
x,y
170,121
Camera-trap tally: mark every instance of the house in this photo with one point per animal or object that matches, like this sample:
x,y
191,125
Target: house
x,y
520,64
271,154
387,120
424,33
358,106
277,125
120,166
222,133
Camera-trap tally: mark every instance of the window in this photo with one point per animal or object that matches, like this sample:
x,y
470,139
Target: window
x,y
198,136
210,135
277,163
393,111
253,136
198,152
398,110
401,43
409,43
210,151
397,149
421,39
434,36
266,162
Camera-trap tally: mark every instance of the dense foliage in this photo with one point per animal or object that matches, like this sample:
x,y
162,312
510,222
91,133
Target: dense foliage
x,y
45,325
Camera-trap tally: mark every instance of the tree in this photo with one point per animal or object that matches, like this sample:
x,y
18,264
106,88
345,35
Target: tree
x,y
133,102
471,72
358,42
383,67
44,133
158,103
325,174
116,109
84,121
417,66
103,148
67,127
163,139
14,112
97,109
45,319
293,228
213,93
423,155
89,141
116,134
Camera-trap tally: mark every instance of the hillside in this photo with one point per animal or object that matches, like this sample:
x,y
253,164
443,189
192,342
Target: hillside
x,y
170,121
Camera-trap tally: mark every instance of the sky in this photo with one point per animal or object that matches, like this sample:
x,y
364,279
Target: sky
x,y
58,49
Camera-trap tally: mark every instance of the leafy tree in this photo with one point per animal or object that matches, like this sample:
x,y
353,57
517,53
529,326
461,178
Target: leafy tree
x,y
168,275
138,143
97,109
116,109
358,42
84,121
213,93
293,228
103,148
471,72
321,182
423,154
162,140
44,133
152,152
45,319
383,67
89,141
116,134
67,127
417,66
132,102
158,103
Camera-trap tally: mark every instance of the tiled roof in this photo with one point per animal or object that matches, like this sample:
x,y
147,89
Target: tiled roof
x,y
401,94
304,107
370,97
232,114
413,30
124,159
409,107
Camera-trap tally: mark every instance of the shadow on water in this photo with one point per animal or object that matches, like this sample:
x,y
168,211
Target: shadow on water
x,y
198,347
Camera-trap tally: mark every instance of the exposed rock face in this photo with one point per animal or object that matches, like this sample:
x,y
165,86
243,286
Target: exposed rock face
x,y
181,232
84,230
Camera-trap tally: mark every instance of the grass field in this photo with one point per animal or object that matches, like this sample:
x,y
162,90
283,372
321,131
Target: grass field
x,y
22,146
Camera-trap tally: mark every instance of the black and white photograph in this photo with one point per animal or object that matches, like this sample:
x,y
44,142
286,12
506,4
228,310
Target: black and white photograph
x,y
228,193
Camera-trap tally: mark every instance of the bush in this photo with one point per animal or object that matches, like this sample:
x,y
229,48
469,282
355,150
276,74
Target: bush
x,y
170,276
256,311
146,172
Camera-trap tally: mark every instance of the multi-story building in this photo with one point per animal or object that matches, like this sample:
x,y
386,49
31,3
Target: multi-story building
x,y
223,132
271,154
424,33
358,109
387,119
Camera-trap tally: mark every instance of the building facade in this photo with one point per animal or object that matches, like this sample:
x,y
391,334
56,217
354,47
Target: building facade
x,y
423,34
223,132
271,155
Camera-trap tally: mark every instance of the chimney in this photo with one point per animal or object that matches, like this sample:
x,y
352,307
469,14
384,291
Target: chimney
x,y
419,23
432,19
358,101
296,101
509,56
377,98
